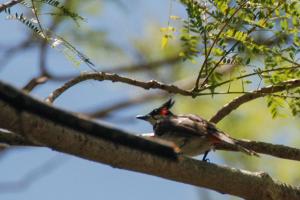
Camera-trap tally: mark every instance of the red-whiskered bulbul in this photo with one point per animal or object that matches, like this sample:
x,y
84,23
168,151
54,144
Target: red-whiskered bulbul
x,y
191,133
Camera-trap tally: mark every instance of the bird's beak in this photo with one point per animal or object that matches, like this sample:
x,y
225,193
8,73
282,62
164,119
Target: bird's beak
x,y
143,117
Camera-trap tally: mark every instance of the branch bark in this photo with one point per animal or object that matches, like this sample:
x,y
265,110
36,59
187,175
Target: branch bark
x,y
235,103
11,138
9,4
280,151
101,76
21,113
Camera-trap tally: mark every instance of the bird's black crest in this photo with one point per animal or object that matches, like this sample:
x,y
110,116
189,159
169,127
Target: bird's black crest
x,y
168,104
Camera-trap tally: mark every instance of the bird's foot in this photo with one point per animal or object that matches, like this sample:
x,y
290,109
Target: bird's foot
x,y
204,157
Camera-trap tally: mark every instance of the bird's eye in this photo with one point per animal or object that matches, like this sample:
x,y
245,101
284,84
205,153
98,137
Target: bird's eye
x,y
154,112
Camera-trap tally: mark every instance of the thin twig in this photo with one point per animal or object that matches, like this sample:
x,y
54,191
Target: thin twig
x,y
248,75
9,4
38,20
101,76
35,82
276,150
139,99
235,103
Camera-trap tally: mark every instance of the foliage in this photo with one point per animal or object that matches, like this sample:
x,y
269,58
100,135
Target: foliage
x,y
255,40
54,40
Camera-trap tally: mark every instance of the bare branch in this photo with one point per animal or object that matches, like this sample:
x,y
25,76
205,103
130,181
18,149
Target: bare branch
x,y
276,150
138,99
280,151
10,138
23,102
35,82
52,127
9,4
101,76
235,103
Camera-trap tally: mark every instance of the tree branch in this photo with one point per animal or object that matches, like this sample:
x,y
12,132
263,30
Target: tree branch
x,y
35,82
280,151
76,139
235,103
9,4
11,138
101,76
276,150
138,99
24,103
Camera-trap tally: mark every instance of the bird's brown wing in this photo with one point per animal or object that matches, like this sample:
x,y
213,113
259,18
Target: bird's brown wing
x,y
177,126
202,126
191,125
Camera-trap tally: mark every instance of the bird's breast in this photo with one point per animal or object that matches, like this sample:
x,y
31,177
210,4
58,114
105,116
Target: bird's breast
x,y
189,145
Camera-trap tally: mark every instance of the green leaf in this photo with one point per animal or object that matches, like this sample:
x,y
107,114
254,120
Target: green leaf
x,y
284,24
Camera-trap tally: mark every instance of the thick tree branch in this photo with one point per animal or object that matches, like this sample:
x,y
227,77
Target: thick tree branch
x,y
101,76
235,103
280,151
25,103
276,150
77,140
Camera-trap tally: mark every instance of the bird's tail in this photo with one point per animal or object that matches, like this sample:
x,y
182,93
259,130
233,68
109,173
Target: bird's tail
x,y
246,150
227,139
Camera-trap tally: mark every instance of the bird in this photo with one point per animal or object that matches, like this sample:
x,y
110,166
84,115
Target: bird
x,y
192,134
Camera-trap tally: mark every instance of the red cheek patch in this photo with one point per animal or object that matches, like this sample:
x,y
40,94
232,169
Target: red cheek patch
x,y
164,111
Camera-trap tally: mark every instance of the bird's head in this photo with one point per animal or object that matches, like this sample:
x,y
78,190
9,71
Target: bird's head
x,y
159,113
